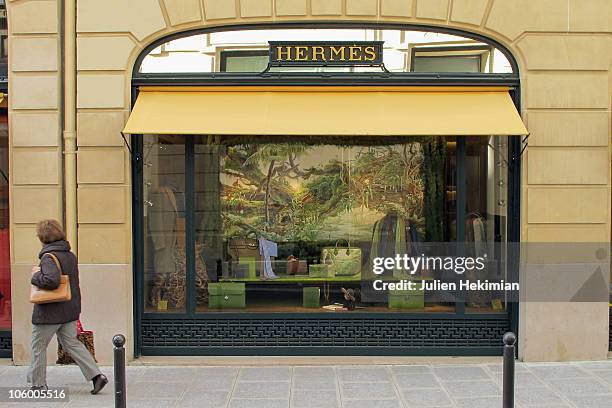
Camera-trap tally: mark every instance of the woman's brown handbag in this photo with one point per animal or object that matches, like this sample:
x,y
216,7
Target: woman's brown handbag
x,y
86,337
60,294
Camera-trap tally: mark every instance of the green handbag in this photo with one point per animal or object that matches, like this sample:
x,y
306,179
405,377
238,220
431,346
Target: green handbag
x,y
342,261
320,271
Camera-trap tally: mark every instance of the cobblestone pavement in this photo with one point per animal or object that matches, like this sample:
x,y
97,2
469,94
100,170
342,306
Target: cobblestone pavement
x,y
583,385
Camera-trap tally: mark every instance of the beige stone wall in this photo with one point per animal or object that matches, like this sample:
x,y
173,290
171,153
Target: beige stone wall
x,y
35,144
563,48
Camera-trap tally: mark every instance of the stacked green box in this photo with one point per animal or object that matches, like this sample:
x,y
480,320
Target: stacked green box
x,y
226,295
312,298
320,271
407,299
251,262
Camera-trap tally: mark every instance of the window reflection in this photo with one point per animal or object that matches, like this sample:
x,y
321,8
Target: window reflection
x,y
246,51
295,226
164,213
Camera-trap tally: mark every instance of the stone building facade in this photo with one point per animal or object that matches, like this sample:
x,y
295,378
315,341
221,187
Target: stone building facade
x,y
564,52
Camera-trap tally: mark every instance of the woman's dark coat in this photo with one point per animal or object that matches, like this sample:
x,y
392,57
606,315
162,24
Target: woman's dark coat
x,y
49,278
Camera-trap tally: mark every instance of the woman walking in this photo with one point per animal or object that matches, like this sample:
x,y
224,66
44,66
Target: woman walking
x,y
58,318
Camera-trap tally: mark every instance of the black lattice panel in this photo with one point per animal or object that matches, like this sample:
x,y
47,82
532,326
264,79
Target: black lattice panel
x,y
413,333
610,329
5,343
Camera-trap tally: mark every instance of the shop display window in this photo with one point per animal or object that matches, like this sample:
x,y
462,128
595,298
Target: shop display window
x,y
291,223
294,226
164,206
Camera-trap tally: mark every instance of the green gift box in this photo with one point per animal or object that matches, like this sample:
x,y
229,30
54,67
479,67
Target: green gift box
x,y
226,295
320,271
407,299
251,263
312,298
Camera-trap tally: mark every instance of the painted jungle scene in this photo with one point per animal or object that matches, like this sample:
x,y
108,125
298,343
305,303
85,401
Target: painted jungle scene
x,y
298,192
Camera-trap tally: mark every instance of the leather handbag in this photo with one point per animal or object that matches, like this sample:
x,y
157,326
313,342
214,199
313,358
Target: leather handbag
x,y
296,266
245,248
60,294
342,261
84,336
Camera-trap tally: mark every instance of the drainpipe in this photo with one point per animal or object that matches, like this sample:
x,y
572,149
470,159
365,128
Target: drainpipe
x,y
69,134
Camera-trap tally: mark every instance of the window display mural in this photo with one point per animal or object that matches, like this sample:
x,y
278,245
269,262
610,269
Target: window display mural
x,y
295,226
293,192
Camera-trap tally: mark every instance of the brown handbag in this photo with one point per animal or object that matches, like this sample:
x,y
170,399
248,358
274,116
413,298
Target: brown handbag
x,y
243,247
296,266
60,294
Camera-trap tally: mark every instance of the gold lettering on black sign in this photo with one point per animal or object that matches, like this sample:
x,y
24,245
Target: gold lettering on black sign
x,y
354,53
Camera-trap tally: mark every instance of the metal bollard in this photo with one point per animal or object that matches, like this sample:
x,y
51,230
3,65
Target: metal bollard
x,y
508,379
119,358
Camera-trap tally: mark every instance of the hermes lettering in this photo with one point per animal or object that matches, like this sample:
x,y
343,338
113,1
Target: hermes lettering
x,y
349,53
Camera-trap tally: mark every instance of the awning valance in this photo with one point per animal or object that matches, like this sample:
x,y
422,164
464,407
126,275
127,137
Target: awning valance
x,y
341,111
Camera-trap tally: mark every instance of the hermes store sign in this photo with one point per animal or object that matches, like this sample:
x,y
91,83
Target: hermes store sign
x,y
283,53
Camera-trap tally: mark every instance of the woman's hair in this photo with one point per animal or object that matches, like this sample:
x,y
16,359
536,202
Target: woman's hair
x,y
49,231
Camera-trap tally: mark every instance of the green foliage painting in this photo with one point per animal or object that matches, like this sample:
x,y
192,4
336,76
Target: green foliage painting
x,y
300,192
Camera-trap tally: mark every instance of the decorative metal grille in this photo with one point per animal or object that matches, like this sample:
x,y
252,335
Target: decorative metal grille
x,y
610,329
6,344
424,334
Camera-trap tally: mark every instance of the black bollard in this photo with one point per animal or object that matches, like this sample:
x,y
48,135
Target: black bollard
x,y
119,358
508,380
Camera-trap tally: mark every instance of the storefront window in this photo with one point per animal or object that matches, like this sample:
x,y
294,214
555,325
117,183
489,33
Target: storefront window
x,y
295,226
164,210
291,223
485,231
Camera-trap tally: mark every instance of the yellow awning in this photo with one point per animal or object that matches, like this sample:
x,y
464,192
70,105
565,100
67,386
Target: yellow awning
x,y
394,111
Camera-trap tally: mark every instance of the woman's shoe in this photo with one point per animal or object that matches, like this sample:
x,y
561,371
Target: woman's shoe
x,y
99,381
39,388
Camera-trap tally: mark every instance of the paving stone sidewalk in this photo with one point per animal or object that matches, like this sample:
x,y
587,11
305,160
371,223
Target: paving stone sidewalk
x,y
582,385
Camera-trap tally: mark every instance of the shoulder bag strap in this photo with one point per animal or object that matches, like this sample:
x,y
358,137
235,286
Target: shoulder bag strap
x,y
57,262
